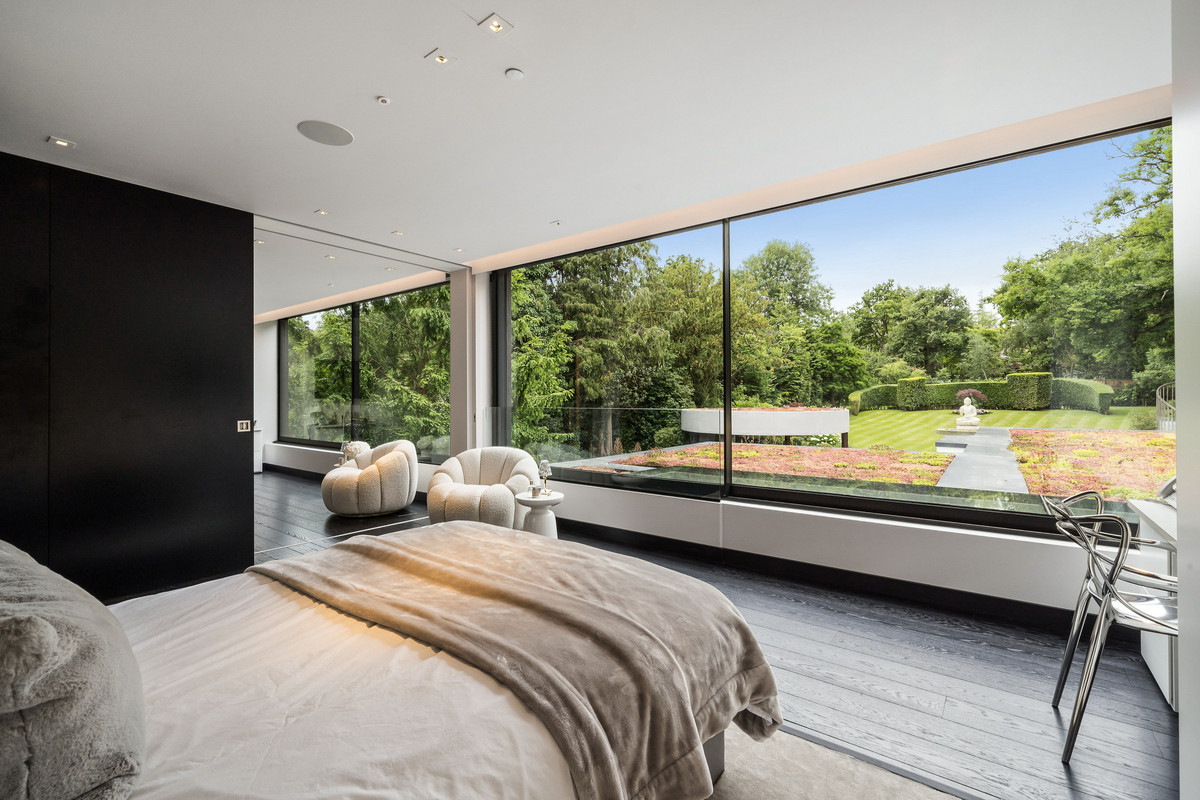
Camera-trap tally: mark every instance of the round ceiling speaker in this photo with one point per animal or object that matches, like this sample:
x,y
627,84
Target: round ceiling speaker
x,y
325,132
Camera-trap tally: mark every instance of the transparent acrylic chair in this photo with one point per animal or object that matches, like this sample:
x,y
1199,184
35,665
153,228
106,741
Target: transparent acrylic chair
x,y
1107,580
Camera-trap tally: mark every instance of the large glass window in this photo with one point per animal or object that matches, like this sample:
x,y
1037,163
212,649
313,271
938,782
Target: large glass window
x,y
960,344
610,350
981,337
374,371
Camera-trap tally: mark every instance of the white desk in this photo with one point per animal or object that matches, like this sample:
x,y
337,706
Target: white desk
x,y
540,518
1160,521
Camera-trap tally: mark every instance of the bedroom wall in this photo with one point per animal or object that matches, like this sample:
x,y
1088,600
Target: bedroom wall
x,y
128,376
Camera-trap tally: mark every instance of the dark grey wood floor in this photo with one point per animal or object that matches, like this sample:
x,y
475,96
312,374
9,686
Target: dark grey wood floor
x,y
958,702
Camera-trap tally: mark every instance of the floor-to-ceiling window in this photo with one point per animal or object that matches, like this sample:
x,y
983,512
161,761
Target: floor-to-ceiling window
x,y
375,371
960,343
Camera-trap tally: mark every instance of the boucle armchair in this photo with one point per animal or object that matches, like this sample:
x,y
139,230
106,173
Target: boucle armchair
x,y
378,481
481,485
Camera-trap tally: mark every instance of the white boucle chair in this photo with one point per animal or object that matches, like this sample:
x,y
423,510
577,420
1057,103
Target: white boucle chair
x,y
481,485
380,481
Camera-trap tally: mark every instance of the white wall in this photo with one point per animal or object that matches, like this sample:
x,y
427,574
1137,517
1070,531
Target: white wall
x,y
1186,60
266,371
981,562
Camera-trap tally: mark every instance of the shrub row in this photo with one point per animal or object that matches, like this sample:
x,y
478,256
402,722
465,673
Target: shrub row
x,y
1078,393
1030,390
1024,391
880,396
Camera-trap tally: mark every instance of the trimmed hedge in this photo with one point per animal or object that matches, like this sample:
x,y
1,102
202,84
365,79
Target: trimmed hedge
x,y
1030,390
910,394
917,393
945,395
1079,393
880,396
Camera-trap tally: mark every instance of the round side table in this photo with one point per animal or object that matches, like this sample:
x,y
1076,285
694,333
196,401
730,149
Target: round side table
x,y
540,519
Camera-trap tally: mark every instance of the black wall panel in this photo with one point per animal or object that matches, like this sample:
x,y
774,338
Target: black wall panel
x,y
131,444
24,352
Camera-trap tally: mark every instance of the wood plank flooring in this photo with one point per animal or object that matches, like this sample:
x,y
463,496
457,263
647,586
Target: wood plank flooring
x,y
958,702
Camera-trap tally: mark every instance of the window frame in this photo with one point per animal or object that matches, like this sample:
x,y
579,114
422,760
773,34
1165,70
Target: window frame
x,y
281,376
1009,522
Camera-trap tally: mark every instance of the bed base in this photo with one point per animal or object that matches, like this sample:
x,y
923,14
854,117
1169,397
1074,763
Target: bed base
x,y
714,754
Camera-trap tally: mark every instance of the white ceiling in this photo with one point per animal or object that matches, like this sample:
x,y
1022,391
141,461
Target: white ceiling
x,y
629,109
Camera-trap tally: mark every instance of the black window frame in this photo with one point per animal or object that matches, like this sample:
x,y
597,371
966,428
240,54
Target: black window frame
x,y
281,375
958,516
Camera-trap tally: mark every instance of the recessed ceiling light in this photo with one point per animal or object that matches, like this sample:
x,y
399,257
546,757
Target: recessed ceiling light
x,y
556,222
329,284
397,233
322,212
495,24
259,241
325,132
458,249
331,256
440,56
66,144
389,269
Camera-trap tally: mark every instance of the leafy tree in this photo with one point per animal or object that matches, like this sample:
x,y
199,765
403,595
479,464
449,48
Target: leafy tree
x,y
1095,306
874,317
404,372
838,366
687,299
930,329
786,275
541,353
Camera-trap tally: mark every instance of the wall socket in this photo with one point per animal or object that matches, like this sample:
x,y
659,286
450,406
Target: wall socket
x,y
243,426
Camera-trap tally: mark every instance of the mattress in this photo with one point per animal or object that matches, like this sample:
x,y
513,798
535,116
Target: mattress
x,y
255,691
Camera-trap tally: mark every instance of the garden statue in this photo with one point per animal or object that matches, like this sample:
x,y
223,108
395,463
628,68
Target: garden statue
x,y
967,415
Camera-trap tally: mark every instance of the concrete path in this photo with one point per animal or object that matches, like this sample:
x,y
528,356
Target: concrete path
x,y
985,463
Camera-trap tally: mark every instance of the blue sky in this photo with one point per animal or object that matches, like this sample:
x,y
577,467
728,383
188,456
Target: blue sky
x,y
958,229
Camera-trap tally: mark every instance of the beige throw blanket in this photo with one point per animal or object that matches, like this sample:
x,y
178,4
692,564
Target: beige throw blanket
x,y
629,665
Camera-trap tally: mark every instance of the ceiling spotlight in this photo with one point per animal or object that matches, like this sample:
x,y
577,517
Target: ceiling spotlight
x,y
556,222
322,212
66,144
383,101
397,233
439,56
495,24
458,249
259,241
331,256
389,269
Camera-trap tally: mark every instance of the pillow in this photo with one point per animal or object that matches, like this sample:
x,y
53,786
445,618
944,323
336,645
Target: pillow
x,y
72,724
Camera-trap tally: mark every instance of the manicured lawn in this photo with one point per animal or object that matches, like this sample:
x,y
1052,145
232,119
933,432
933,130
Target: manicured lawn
x,y
917,430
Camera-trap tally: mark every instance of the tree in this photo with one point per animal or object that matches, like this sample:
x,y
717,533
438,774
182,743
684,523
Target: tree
x,y
687,299
786,275
838,367
1096,305
874,316
930,329
541,352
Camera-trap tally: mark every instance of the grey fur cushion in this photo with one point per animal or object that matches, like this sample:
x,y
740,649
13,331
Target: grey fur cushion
x,y
72,723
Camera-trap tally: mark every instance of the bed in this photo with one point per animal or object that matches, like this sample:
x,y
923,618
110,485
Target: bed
x,y
258,686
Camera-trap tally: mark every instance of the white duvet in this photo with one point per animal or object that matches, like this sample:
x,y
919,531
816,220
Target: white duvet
x,y
255,691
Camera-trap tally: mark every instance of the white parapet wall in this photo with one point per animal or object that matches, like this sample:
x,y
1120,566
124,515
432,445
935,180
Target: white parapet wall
x,y
763,422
